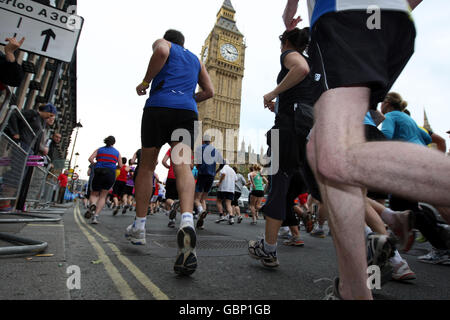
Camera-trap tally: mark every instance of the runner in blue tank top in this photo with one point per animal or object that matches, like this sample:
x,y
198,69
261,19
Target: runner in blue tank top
x,y
107,160
174,73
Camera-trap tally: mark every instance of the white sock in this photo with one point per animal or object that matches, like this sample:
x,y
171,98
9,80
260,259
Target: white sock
x,y
139,223
187,219
270,247
367,230
396,259
284,229
320,227
387,217
200,209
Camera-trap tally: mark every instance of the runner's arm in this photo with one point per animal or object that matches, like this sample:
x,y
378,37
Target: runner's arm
x,y
414,3
440,142
161,51
164,161
298,70
222,176
289,13
92,157
119,163
205,83
133,160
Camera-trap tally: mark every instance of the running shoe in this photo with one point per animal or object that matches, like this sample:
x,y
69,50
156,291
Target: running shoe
x,y
115,210
420,238
136,236
436,256
186,261
403,229
293,241
90,212
379,249
332,292
402,272
285,234
124,210
201,219
94,220
253,223
307,222
239,219
231,220
256,251
317,232
221,219
171,224
173,212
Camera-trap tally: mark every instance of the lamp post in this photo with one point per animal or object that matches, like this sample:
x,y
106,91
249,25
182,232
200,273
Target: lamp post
x,y
78,126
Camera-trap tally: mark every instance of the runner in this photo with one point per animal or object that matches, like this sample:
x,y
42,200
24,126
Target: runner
x,y
345,163
104,177
206,157
225,193
119,196
257,193
238,185
129,188
175,73
171,190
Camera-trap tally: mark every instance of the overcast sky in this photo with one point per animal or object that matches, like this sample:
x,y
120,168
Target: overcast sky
x,y
116,44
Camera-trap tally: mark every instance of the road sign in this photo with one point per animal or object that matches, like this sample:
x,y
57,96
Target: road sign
x,y
48,31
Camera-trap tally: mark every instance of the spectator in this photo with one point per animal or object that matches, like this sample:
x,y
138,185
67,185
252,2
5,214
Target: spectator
x,y
11,73
52,145
19,132
62,180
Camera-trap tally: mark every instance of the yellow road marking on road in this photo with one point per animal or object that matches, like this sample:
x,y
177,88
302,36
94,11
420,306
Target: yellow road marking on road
x,y
122,286
138,274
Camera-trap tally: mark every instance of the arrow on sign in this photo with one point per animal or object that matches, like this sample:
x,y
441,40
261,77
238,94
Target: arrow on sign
x,y
48,34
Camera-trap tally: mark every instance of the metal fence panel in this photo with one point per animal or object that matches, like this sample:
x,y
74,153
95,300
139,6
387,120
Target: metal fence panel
x,y
13,161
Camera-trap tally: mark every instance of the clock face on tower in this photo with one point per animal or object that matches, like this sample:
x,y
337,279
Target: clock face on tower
x,y
229,52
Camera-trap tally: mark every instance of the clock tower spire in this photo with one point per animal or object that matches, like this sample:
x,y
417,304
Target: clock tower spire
x,y
223,54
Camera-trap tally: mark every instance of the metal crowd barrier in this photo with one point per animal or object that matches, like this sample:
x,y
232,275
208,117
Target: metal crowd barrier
x,y
4,103
13,167
50,189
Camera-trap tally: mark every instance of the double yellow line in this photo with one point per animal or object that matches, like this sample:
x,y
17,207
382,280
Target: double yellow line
x,y
122,286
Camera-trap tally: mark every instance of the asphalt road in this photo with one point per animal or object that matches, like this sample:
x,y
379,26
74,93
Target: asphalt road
x,y
112,268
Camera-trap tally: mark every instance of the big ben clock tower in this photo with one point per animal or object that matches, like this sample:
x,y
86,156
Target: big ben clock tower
x,y
223,55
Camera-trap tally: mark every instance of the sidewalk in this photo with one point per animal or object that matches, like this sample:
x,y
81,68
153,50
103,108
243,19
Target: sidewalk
x,y
30,277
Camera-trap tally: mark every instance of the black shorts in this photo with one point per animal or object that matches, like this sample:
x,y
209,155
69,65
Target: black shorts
x,y
204,183
104,179
128,190
235,201
258,193
171,189
225,195
344,52
159,123
373,134
119,188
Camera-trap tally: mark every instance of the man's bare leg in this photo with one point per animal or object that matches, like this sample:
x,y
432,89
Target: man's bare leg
x,y
272,228
373,220
186,259
144,188
339,124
